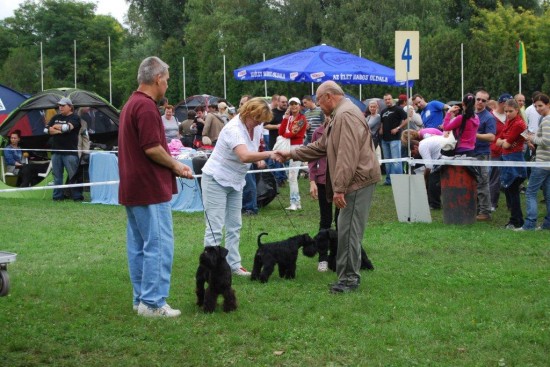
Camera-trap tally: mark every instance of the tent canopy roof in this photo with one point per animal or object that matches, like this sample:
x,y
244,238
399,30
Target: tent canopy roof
x,y
318,64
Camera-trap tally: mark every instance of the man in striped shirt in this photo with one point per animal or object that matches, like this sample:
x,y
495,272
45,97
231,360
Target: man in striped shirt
x,y
314,117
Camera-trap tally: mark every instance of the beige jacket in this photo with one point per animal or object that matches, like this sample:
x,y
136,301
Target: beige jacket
x,y
212,126
347,144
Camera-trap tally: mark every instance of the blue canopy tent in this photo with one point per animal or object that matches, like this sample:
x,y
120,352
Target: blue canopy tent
x,y
318,64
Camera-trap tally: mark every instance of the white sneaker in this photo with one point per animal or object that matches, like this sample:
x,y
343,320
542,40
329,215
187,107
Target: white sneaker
x,y
241,272
299,206
135,307
164,311
323,266
292,207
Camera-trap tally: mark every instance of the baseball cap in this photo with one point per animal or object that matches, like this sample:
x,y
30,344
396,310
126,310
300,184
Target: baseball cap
x,y
294,99
64,101
504,97
402,97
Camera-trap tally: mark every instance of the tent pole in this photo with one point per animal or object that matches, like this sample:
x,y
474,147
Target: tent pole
x,y
265,81
360,85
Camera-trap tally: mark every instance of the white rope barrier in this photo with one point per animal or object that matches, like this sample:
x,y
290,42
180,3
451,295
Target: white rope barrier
x,y
413,162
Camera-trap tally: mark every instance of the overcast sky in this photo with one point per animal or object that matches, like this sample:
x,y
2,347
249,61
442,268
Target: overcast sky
x,y
116,8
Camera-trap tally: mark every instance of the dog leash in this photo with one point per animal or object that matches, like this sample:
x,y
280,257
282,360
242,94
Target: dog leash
x,y
202,203
286,213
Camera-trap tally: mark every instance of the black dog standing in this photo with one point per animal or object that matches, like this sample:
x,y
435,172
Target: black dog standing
x,y
327,244
283,254
214,270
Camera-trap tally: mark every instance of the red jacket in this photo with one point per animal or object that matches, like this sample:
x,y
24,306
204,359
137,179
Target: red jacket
x,y
291,121
512,133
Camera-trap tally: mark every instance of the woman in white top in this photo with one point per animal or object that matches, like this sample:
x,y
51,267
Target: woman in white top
x,y
171,126
224,177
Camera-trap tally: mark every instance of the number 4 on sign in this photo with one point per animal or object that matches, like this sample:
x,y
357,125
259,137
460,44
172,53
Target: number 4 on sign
x,y
407,55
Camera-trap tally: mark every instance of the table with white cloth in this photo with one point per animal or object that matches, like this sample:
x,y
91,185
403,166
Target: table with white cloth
x,y
104,167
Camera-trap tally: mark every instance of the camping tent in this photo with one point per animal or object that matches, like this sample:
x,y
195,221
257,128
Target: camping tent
x,y
10,100
318,64
105,116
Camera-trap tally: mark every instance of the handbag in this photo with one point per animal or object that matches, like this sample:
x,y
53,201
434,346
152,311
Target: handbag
x,y
448,143
282,143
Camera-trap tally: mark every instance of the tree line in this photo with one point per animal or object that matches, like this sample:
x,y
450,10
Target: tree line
x,y
203,31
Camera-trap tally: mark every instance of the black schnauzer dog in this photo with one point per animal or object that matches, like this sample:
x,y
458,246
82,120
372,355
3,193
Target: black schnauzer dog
x,y
283,254
214,270
327,245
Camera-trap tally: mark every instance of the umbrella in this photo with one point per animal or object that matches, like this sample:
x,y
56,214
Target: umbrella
x,y
180,110
318,64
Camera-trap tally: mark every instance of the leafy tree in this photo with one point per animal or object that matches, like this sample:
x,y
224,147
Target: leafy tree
x,y
57,24
162,18
494,61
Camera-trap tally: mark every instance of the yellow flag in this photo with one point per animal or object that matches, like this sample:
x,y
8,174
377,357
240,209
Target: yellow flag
x,y
522,59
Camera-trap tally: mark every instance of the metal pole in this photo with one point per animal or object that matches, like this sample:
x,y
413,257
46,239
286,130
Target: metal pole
x,y
462,69
110,74
41,68
265,81
74,41
224,80
360,85
183,76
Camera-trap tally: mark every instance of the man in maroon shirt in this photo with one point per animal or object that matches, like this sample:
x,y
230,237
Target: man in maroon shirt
x,y
147,183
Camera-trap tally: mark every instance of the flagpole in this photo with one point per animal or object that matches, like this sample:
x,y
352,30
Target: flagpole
x,y
224,80
41,67
462,69
110,74
183,76
74,41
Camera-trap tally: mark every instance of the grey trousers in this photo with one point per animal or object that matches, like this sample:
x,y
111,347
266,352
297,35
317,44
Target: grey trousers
x,y
483,191
351,227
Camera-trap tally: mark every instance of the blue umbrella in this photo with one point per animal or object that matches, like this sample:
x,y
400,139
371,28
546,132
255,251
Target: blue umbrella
x,y
318,64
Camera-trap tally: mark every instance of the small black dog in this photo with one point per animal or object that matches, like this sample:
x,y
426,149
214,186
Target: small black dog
x,y
214,270
283,253
327,244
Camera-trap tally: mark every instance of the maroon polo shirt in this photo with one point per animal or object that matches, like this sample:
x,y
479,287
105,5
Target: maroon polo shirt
x,y
142,181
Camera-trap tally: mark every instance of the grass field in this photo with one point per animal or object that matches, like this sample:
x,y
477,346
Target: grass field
x,y
441,295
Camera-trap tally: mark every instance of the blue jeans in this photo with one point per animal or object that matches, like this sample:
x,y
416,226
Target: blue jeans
x,y
150,247
222,207
539,178
250,197
391,149
70,163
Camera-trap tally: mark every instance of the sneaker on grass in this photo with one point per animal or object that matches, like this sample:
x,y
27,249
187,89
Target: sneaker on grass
x,y
323,266
241,272
164,311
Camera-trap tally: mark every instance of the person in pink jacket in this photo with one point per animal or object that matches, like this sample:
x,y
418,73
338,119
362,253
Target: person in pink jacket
x,y
463,122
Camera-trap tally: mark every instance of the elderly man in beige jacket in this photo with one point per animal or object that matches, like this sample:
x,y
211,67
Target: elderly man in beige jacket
x,y
353,171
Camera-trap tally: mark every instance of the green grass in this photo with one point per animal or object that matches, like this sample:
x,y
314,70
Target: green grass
x,y
441,295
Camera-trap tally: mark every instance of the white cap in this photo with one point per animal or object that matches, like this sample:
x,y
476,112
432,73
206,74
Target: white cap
x,y
294,99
